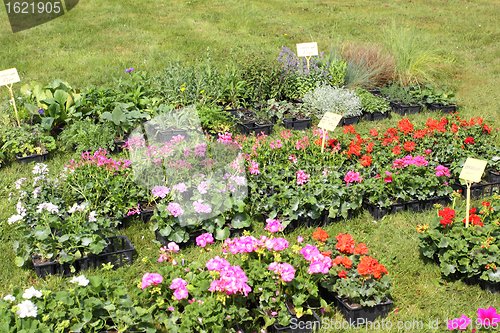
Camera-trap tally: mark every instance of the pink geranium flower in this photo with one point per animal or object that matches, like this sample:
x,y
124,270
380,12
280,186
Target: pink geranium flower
x,y
273,225
352,176
459,323
178,283
150,279
204,239
488,317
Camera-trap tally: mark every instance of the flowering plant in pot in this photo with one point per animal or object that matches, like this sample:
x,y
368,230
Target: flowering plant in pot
x,y
409,178
203,295
283,277
355,275
26,141
80,305
464,251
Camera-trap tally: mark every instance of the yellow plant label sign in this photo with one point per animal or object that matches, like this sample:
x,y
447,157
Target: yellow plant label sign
x,y
307,49
330,121
473,169
9,76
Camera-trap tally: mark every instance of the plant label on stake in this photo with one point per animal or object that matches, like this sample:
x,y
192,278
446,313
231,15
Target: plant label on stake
x,y
10,76
329,122
307,50
472,171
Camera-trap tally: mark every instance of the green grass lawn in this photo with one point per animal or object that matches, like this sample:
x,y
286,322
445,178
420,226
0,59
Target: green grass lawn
x,y
98,39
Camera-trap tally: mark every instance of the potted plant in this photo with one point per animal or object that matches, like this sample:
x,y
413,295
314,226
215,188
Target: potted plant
x,y
441,100
27,143
291,115
359,283
403,99
337,100
374,107
411,183
85,135
464,250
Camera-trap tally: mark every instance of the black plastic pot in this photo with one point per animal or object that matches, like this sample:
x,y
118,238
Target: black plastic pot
x,y
493,176
416,206
346,121
375,116
119,252
478,190
32,158
56,268
146,214
402,109
362,314
441,107
249,128
297,124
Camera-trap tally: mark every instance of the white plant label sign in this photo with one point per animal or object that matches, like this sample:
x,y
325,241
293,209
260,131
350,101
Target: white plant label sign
x,y
307,49
9,76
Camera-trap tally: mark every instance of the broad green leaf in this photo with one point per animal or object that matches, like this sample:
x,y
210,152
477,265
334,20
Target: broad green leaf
x,y
241,220
221,234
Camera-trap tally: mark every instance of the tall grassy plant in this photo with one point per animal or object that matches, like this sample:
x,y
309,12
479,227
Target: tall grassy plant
x,y
416,57
368,65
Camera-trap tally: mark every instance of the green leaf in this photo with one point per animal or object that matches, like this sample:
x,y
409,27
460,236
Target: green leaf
x,y
241,220
118,116
19,261
42,234
221,234
61,96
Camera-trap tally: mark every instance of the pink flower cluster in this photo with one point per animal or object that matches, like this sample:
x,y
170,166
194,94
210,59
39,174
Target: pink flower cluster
x,y
160,191
254,168
302,143
275,145
175,209
318,262
409,160
244,244
232,281
276,244
284,270
150,279
302,177
273,225
217,264
100,159
488,318
204,239
352,176
200,207
292,158
320,132
180,288
200,149
442,171
225,138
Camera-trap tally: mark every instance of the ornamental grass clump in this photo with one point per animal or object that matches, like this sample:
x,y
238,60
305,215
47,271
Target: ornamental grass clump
x,y
355,275
464,251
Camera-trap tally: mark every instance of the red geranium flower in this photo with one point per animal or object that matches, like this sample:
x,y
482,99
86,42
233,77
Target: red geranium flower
x,y
405,126
409,146
349,129
396,150
345,243
469,140
361,249
320,235
366,160
373,132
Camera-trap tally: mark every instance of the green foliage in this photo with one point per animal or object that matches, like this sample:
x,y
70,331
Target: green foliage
x,y
429,94
214,119
84,135
125,117
25,141
263,78
371,103
332,99
401,94
464,252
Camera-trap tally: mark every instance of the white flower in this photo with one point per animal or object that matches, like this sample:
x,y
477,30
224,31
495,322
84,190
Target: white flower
x,y
19,182
73,208
28,92
35,191
9,298
26,309
92,216
28,293
20,209
14,219
40,169
81,280
50,207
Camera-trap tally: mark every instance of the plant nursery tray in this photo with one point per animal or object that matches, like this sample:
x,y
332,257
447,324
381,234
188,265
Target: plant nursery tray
x,y
493,176
32,158
305,324
376,116
118,252
478,190
297,124
361,315
405,109
249,128
416,206
440,107
346,121
56,268
494,287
